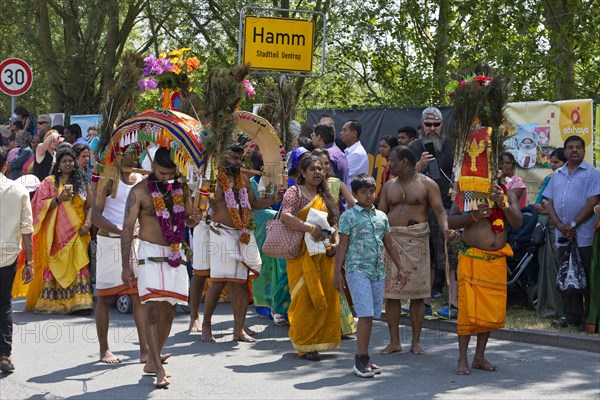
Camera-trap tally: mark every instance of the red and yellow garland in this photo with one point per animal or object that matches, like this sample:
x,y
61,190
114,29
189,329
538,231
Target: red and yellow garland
x,y
241,222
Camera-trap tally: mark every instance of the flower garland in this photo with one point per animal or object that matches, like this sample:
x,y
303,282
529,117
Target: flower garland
x,y
241,222
172,230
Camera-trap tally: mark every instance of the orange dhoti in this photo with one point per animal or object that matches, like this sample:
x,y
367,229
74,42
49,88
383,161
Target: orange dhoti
x,y
481,290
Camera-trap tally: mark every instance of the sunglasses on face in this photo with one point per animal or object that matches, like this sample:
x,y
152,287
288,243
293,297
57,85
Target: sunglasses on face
x,y
430,124
42,122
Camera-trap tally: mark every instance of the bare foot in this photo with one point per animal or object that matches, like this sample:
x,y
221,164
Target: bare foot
x,y
243,337
391,348
462,368
207,335
417,349
249,331
163,357
109,358
195,325
484,365
152,370
161,380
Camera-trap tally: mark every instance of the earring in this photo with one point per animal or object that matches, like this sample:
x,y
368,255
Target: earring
x,y
59,171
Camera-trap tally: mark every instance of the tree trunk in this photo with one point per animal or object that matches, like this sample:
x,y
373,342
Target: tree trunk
x,y
94,34
440,58
48,56
561,24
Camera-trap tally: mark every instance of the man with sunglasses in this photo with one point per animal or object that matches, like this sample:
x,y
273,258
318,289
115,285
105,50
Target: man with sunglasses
x,y
43,125
438,167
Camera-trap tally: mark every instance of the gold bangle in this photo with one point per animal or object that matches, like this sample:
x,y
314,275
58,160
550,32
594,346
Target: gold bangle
x,y
473,216
504,205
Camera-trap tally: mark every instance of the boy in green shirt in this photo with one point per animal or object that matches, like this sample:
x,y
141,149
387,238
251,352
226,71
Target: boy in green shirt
x,y
363,232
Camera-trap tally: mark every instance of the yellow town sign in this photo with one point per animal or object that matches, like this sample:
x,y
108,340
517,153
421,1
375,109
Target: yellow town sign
x,y
281,44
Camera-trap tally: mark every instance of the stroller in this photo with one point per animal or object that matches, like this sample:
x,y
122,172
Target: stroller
x,y
524,242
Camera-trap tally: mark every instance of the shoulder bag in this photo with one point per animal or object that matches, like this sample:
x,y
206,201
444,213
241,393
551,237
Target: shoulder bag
x,y
281,241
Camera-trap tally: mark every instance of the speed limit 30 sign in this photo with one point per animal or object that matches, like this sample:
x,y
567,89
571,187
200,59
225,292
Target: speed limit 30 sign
x,y
15,76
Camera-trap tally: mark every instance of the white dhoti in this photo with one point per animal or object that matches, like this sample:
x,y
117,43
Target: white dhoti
x,y
157,280
218,253
109,266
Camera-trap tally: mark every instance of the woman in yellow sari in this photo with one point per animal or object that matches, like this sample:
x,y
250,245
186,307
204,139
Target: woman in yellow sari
x,y
314,312
61,219
339,189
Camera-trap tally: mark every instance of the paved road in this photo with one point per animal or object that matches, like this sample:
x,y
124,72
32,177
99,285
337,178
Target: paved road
x,y
56,357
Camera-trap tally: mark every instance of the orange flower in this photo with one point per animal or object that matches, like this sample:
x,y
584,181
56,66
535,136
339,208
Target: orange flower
x,y
192,63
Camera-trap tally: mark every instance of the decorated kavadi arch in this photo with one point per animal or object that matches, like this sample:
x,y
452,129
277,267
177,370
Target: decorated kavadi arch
x,y
189,143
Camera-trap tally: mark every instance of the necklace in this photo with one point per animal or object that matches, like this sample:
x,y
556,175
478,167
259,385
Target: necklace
x,y
172,228
402,190
308,193
241,222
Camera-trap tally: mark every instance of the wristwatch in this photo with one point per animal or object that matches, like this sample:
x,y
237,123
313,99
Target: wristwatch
x,y
573,224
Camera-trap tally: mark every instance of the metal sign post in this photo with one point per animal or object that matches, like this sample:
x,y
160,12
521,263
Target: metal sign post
x,y
15,79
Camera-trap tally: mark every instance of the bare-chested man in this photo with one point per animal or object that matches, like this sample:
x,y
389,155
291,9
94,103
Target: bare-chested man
x,y
482,274
162,279
227,251
108,214
406,200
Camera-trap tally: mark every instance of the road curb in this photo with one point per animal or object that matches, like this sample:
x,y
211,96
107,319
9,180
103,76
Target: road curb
x,y
589,343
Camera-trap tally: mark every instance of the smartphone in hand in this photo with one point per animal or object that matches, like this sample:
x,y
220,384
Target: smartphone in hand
x,y
433,168
430,148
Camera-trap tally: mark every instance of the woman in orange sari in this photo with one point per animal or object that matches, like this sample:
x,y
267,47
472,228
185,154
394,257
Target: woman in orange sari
x,y
314,312
61,208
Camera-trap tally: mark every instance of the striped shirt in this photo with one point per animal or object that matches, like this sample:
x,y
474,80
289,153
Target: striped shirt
x,y
570,192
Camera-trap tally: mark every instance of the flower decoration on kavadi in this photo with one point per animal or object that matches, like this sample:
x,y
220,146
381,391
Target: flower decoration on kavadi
x,y
177,132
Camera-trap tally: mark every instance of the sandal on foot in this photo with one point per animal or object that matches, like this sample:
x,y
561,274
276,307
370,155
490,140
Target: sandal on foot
x,y
6,364
312,356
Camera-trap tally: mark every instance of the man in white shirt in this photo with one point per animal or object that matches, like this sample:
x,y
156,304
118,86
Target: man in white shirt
x,y
358,161
16,222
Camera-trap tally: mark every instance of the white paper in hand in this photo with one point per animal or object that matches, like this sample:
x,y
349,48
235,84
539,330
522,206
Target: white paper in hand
x,y
319,219
262,190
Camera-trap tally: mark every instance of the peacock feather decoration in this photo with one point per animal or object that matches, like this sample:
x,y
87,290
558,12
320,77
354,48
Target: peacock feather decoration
x,y
479,100
279,107
119,101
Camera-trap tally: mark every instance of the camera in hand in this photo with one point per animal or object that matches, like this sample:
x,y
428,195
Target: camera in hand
x,y
433,169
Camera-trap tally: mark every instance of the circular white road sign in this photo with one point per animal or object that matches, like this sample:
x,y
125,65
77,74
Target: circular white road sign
x,y
15,76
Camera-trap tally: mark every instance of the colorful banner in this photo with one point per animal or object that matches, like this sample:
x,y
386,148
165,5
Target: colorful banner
x,y
475,178
539,128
